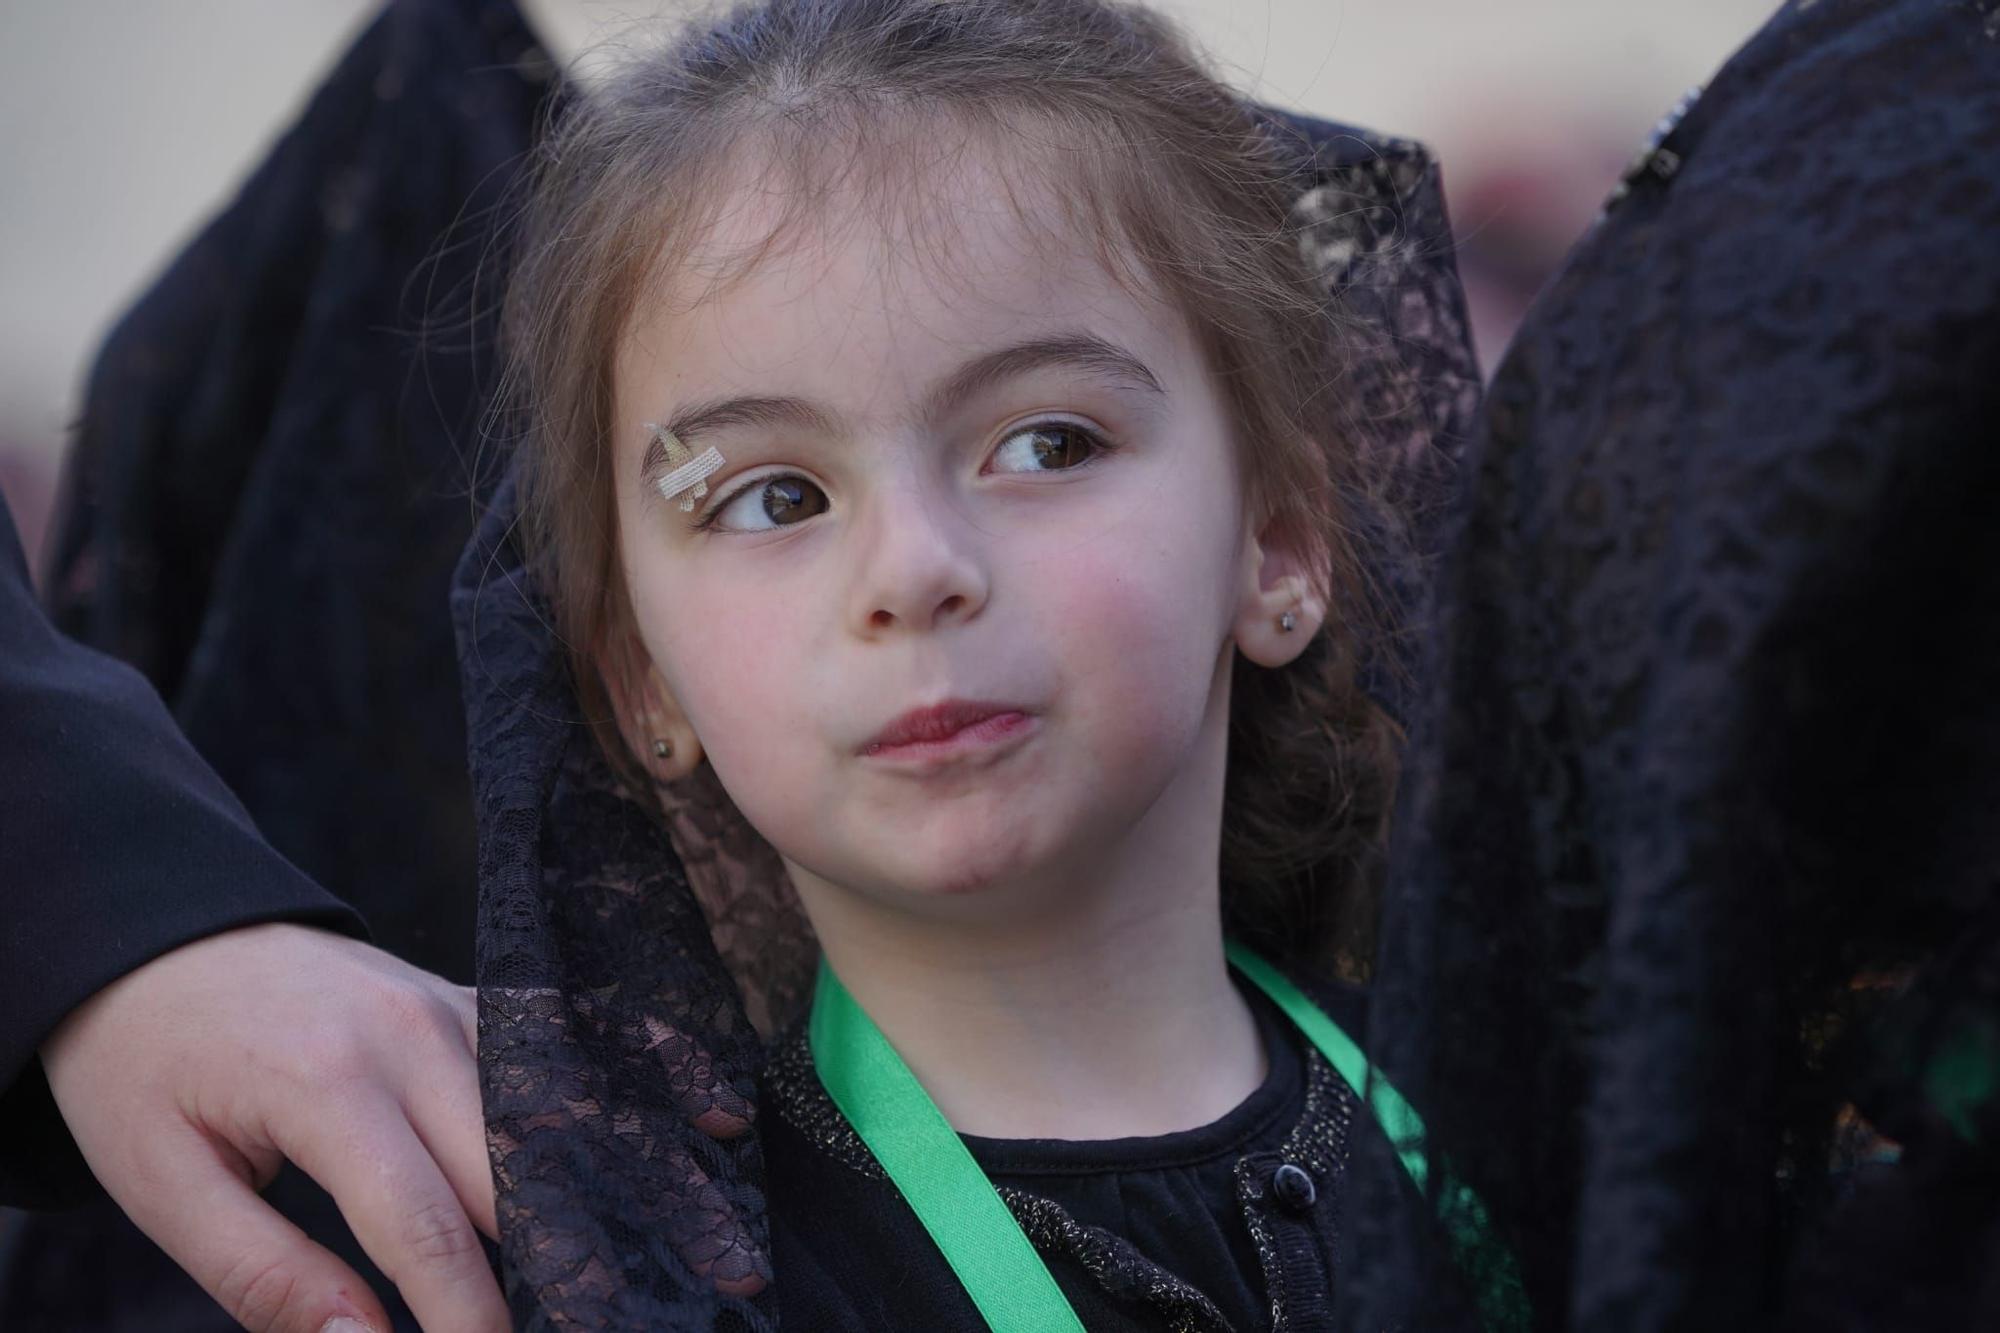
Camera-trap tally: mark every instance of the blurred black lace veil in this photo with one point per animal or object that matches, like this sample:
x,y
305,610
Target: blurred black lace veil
x,y
1691,952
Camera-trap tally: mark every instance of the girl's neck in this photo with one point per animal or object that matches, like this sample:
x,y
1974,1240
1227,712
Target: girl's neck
x,y
1116,1031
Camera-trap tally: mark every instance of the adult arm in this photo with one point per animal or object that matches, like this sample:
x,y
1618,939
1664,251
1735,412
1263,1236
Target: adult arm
x,y
177,1020
117,844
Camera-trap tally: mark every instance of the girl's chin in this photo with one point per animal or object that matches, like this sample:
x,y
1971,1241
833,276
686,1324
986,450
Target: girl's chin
x,y
995,888
973,858
1006,858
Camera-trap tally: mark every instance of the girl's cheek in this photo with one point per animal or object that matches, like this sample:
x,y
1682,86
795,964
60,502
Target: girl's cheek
x,y
740,660
735,663
1138,643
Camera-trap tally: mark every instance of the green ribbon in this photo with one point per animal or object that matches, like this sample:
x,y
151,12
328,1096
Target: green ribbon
x,y
994,1260
986,1248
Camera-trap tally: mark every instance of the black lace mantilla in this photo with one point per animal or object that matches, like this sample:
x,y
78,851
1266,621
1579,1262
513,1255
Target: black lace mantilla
x,y
619,971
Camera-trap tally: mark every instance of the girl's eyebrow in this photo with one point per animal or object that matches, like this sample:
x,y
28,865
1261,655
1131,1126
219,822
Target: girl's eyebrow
x,y
1080,351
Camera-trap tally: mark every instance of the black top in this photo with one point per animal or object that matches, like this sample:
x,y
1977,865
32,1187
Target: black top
x,y
1176,1198
1232,1225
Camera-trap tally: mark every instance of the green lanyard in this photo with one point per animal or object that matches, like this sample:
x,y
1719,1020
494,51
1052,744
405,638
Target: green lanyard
x,y
985,1246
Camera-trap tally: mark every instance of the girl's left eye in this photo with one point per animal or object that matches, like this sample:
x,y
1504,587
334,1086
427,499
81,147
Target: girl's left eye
x,y
761,506
1047,446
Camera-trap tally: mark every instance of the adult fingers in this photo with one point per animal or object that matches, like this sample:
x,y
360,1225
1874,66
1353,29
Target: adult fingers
x,y
198,1207
441,1098
403,1211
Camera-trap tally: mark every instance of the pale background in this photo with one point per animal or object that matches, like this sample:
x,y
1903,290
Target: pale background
x,y
128,122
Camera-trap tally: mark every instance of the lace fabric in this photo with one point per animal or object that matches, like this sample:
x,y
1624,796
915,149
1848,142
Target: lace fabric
x,y
1696,845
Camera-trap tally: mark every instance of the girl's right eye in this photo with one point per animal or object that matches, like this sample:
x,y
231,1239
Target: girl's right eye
x,y
766,504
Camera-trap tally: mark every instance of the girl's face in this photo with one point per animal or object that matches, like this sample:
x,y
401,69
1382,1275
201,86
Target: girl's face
x,y
1013,488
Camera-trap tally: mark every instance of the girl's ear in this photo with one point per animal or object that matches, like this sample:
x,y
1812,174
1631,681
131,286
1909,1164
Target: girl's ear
x,y
655,731
1280,605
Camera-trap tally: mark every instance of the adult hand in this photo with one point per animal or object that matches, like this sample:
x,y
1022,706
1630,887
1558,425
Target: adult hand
x,y
188,1082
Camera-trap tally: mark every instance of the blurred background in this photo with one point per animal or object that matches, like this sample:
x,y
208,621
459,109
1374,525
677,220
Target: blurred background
x,y
130,122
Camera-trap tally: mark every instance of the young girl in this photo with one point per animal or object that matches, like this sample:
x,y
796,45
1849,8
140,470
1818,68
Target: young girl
x,y
942,472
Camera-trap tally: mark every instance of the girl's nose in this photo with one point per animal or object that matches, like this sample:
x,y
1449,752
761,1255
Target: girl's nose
x,y
918,562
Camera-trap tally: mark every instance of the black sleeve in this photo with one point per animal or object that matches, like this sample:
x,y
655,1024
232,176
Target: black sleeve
x,y
117,844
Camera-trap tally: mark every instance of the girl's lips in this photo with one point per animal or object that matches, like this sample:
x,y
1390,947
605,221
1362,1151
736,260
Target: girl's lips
x,y
938,721
933,740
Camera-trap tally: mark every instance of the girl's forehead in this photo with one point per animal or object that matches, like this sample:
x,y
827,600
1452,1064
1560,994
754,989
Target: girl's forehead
x,y
958,227
871,344
862,301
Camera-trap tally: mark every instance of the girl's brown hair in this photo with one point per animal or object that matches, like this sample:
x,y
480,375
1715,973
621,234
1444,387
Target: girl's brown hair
x,y
1182,188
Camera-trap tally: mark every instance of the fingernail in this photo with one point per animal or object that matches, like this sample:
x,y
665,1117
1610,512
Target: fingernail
x,y
343,1324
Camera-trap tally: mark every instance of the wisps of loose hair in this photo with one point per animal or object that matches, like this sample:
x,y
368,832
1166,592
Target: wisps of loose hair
x,y
1185,194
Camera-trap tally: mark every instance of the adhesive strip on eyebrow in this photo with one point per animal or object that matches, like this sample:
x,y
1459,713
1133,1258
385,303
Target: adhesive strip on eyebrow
x,y
691,471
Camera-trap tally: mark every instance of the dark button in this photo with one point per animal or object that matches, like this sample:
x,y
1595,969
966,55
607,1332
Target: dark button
x,y
1294,1188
